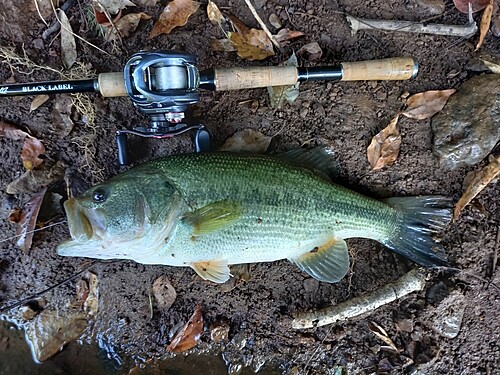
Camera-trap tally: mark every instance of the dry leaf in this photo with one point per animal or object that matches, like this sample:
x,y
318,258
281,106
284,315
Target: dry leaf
x,y
27,220
38,101
91,304
485,24
164,293
278,95
190,334
10,131
479,181
175,14
61,115
251,44
103,19
247,140
424,105
113,6
125,26
477,5
285,35
31,152
68,43
384,147
382,335
33,180
214,14
310,52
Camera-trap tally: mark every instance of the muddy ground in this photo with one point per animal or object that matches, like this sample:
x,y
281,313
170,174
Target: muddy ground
x,y
343,116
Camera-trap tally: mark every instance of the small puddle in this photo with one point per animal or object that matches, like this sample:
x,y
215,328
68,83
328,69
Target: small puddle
x,y
76,359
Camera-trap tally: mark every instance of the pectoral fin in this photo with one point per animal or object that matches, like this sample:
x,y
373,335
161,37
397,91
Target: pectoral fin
x,y
212,270
214,216
328,262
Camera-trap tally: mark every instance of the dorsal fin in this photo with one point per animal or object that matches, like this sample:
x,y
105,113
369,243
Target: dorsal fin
x,y
321,160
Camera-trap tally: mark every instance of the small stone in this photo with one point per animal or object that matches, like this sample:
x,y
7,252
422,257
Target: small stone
x,y
432,6
275,21
311,285
304,112
38,43
219,331
259,4
449,315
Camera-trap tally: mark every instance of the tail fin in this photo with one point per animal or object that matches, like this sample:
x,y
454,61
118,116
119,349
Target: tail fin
x,y
420,219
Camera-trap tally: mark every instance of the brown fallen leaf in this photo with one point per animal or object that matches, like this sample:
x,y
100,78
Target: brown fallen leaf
x,y
285,35
251,44
214,14
61,115
426,104
189,335
27,220
31,152
125,26
38,101
384,147
103,20
164,293
310,52
175,14
10,131
247,140
33,180
222,45
485,24
68,43
479,181
477,5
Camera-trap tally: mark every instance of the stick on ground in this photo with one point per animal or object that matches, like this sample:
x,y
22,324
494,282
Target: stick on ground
x,y
413,281
262,24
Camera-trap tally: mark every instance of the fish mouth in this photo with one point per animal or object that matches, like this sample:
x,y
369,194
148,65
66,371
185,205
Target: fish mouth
x,y
84,224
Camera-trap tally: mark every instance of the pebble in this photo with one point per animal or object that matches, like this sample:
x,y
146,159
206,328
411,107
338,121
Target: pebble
x,y
219,331
311,285
304,112
432,6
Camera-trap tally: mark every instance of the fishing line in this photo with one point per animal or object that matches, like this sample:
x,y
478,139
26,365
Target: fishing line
x,y
32,231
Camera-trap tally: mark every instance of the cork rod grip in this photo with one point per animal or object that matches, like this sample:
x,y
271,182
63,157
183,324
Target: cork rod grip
x,y
397,68
251,77
112,84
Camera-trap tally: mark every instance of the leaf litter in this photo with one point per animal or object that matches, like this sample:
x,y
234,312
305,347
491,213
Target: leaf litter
x,y
164,293
189,336
175,14
278,95
251,44
247,140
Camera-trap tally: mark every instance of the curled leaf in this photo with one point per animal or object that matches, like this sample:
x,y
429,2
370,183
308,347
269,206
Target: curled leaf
x,y
485,24
310,52
68,43
164,293
480,180
27,220
189,335
247,140
38,101
384,147
424,105
214,14
251,44
175,14
278,95
126,25
31,152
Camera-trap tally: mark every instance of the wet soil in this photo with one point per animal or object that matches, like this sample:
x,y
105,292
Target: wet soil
x,y
343,116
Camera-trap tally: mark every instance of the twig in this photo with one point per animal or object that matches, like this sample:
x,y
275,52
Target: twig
x,y
32,231
39,13
413,281
263,25
464,31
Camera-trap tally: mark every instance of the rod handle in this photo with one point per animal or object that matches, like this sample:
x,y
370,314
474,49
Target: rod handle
x,y
396,68
112,84
252,77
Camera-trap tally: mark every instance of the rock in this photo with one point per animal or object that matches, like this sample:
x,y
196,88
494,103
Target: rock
x,y
468,127
432,6
495,25
449,315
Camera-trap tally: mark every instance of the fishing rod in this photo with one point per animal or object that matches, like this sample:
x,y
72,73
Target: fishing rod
x,y
163,84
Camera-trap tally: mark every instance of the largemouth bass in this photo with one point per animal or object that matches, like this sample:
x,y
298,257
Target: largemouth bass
x,y
208,211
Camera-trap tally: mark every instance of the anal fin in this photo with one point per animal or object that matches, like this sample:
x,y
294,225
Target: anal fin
x,y
328,262
212,270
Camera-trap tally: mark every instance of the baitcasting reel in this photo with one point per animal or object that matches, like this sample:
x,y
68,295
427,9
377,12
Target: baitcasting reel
x,y
163,84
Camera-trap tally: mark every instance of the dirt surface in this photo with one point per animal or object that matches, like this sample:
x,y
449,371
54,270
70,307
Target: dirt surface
x,y
343,116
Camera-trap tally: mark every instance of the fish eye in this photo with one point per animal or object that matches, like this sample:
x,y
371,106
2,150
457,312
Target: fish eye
x,y
99,196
